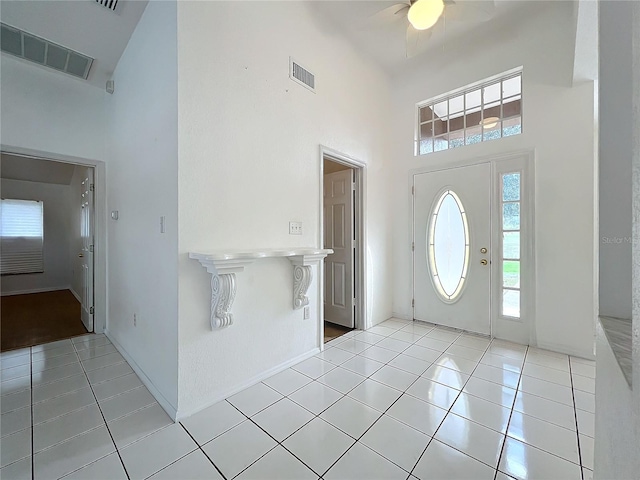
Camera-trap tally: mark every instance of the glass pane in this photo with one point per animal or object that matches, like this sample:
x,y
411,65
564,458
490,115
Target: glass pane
x,y
512,126
492,93
441,110
491,133
511,303
426,146
474,135
449,242
456,106
456,139
441,143
426,130
512,86
426,114
511,187
511,245
512,107
511,216
511,273
440,127
474,100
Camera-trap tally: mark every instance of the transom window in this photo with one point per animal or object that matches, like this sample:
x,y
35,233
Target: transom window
x,y
487,112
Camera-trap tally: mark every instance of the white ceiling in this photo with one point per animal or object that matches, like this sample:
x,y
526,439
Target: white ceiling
x,y
81,25
15,167
385,43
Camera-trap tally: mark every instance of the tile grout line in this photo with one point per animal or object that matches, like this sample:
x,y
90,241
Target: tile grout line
x,y
198,448
524,359
575,414
103,418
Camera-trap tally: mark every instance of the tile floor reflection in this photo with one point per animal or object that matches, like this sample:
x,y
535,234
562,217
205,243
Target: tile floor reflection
x,y
402,400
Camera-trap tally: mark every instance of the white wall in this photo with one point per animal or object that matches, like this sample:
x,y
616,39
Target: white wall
x,y
44,110
142,185
57,237
617,440
249,163
558,125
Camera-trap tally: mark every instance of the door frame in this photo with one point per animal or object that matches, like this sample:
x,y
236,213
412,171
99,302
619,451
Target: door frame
x,y
517,330
100,225
360,268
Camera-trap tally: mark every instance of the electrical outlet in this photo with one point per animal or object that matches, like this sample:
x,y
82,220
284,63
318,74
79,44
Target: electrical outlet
x,y
295,228
307,313
135,319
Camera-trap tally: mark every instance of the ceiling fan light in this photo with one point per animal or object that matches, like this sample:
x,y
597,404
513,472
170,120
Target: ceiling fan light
x,y
424,14
489,122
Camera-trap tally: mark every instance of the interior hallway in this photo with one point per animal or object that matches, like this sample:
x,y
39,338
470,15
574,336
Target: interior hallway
x,y
403,400
37,318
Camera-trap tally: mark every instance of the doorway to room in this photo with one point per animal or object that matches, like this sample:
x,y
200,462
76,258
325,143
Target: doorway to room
x,y
47,236
342,216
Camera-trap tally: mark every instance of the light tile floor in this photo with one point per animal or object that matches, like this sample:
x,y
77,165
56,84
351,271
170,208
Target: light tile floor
x,y
402,400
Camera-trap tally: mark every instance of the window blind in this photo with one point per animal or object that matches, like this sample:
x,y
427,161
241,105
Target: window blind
x,y
21,236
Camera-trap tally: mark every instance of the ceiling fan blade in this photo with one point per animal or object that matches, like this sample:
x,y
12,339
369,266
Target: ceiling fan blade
x,y
390,14
479,10
417,40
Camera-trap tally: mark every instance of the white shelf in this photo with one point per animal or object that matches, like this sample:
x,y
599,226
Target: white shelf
x,y
223,265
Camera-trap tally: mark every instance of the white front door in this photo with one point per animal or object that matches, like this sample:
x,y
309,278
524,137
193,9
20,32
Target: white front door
x,y
452,250
86,253
339,306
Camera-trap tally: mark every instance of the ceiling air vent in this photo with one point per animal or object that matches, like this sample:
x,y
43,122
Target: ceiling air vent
x,y
301,75
43,52
110,4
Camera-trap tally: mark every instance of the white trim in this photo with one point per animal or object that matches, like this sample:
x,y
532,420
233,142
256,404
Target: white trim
x,y
561,348
75,294
164,403
37,290
100,230
363,308
181,415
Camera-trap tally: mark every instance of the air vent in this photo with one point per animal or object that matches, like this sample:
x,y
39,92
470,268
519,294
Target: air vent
x,y
43,52
301,75
110,4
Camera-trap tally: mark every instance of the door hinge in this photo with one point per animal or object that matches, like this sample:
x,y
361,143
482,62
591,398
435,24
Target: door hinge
x,y
91,310
413,303
413,246
91,248
92,187
413,190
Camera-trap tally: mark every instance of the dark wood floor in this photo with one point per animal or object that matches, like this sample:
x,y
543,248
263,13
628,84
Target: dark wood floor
x,y
331,331
36,318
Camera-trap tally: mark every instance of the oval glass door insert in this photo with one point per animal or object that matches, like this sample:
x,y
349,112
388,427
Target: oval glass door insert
x,y
448,246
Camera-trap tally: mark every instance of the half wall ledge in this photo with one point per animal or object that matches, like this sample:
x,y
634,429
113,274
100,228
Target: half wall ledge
x,y
224,265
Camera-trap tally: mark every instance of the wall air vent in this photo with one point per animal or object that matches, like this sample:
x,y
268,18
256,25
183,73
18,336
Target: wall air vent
x,y
301,75
43,52
110,4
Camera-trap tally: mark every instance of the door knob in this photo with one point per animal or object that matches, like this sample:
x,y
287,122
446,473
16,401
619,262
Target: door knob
x,y
483,250
80,255
483,261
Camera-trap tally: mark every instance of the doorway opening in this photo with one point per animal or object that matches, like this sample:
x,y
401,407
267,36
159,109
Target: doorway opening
x,y
342,231
47,232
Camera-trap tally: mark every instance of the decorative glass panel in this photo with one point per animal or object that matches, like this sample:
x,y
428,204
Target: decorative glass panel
x,y
491,133
511,187
511,273
511,245
511,303
512,126
426,146
456,139
441,143
511,216
474,135
448,246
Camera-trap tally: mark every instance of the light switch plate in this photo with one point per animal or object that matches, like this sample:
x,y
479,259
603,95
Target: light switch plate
x,y
295,228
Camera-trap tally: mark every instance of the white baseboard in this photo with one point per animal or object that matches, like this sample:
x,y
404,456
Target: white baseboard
x,y
35,290
252,381
164,403
402,316
75,295
586,354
